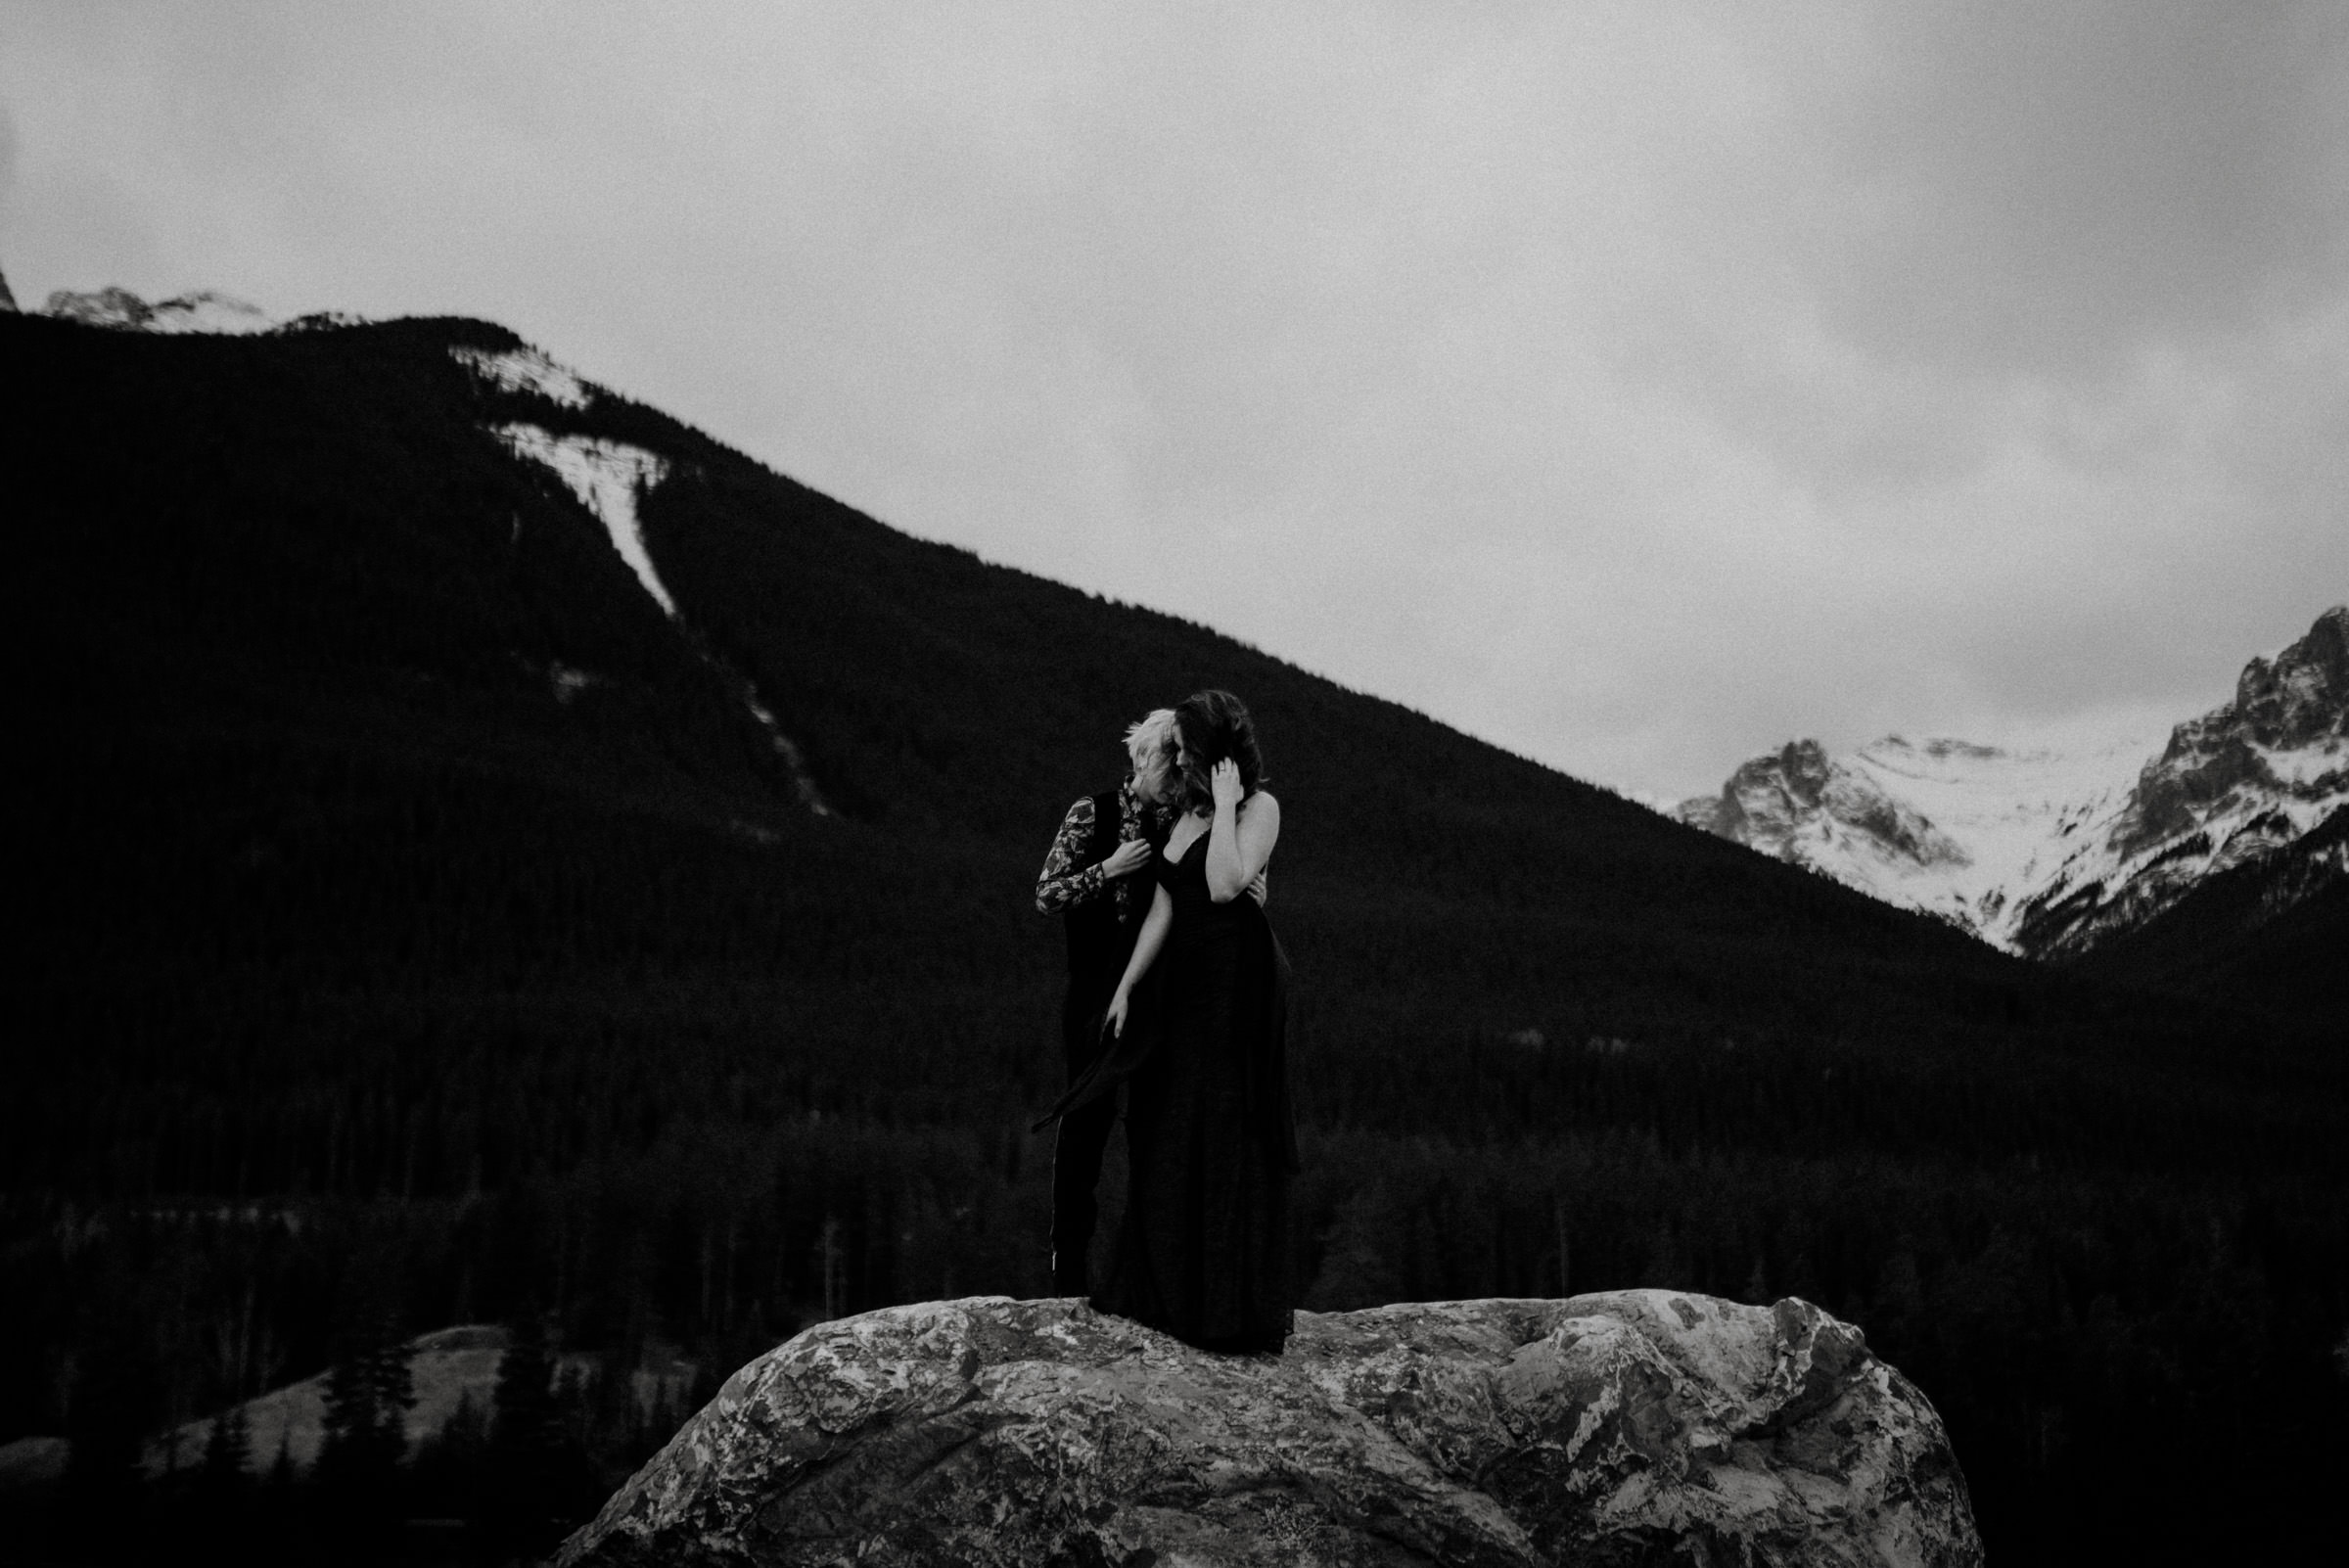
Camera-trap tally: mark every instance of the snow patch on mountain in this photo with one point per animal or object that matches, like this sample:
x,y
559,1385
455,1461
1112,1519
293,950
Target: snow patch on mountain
x,y
794,759
607,477
567,682
2048,850
2010,812
526,370
206,311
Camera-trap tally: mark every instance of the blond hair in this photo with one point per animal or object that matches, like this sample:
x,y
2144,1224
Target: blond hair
x,y
1150,737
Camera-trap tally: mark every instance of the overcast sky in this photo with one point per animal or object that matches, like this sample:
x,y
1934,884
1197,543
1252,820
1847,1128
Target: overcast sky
x,y
1635,386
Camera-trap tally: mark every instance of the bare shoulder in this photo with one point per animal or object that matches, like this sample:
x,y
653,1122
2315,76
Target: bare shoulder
x,y
1260,808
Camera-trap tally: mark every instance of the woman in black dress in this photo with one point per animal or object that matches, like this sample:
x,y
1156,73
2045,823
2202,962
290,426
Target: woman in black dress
x,y
1203,1252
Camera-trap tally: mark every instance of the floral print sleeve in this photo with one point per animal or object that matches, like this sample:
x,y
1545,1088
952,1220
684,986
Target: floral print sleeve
x,y
1063,882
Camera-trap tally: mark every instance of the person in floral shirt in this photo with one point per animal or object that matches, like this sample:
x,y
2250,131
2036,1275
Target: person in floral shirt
x,y
1088,880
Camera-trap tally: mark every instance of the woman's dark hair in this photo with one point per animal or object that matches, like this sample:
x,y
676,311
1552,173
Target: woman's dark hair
x,y
1215,725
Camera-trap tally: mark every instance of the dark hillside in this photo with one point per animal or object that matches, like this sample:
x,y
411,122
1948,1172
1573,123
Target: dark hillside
x,y
430,933
2272,935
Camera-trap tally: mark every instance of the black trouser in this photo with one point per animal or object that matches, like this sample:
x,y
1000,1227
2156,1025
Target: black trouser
x,y
1080,1143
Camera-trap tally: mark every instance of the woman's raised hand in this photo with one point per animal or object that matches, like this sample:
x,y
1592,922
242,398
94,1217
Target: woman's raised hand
x,y
1127,859
1225,780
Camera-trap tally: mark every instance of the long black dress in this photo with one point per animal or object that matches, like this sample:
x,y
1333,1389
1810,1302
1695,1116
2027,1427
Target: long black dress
x,y
1203,1252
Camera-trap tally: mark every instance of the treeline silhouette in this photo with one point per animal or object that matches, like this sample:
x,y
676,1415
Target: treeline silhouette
x,y
427,934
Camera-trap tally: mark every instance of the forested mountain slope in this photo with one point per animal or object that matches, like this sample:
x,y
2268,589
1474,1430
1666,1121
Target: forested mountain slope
x,y
435,927
2274,931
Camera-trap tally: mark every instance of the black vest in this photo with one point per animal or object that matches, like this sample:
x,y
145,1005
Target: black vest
x,y
1100,942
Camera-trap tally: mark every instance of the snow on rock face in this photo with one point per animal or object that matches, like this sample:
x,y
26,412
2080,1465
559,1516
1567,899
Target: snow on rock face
x,y
204,310
2047,852
1627,1426
526,370
2243,782
605,476
1801,802
1942,825
207,311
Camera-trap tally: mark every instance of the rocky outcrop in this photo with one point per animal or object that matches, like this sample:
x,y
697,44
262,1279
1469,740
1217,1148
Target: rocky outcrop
x,y
2246,783
1636,1426
2285,735
1773,802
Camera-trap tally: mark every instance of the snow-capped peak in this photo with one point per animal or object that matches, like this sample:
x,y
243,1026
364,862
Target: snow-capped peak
x,y
206,311
2047,849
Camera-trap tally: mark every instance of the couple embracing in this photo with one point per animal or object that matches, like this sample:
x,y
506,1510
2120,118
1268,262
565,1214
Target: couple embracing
x,y
1178,994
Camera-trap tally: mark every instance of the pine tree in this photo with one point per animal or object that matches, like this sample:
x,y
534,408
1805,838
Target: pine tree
x,y
368,1392
524,1398
112,1400
224,1490
228,1453
451,1464
348,1449
393,1389
281,1469
524,1441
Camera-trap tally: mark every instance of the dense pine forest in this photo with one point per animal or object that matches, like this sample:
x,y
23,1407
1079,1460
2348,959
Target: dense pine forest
x,y
426,931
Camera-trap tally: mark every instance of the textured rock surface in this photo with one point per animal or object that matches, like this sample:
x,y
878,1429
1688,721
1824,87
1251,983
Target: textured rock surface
x,y
1636,1426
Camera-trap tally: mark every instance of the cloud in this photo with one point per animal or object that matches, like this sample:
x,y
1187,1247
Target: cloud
x,y
2047,187
1635,386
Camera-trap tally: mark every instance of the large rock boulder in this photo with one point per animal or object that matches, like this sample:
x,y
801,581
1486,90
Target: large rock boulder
x,y
1630,1427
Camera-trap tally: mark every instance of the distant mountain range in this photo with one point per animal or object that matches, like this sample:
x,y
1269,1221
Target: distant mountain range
x,y
2053,852
204,310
